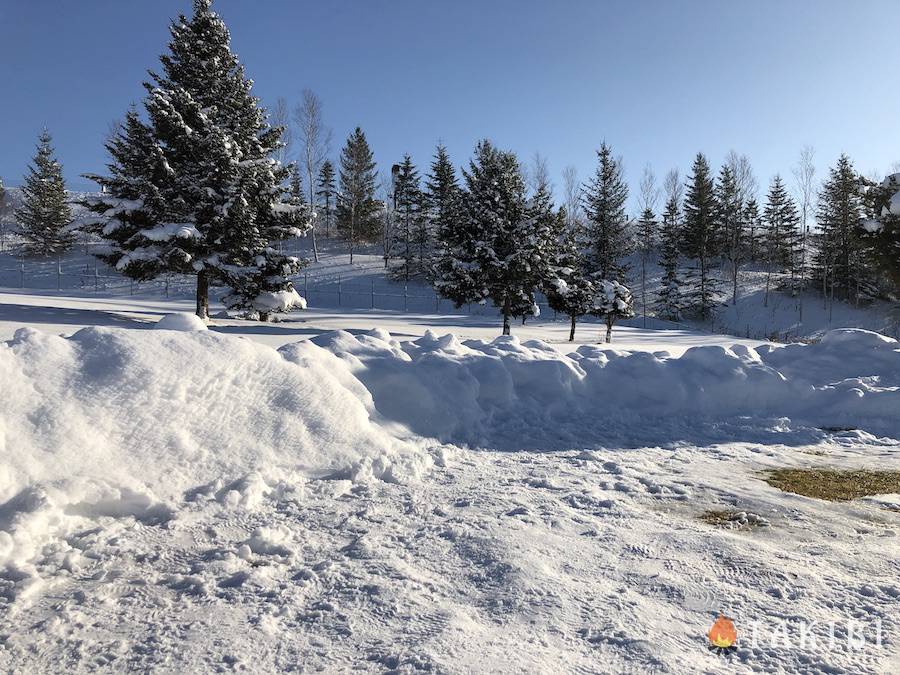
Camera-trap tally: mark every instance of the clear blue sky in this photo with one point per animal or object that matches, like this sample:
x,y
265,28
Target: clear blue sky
x,y
659,80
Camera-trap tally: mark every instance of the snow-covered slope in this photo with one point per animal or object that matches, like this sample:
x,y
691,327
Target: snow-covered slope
x,y
188,501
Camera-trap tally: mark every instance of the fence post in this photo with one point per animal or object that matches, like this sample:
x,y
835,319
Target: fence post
x,y
96,279
373,293
437,303
340,304
306,286
58,274
405,298
22,271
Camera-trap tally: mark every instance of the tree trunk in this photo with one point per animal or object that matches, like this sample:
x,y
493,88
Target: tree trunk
x,y
506,329
203,295
572,328
644,288
609,325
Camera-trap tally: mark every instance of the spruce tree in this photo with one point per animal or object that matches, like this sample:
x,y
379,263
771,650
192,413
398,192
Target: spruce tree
x,y
699,234
646,235
326,191
669,303
613,302
408,200
357,209
752,230
195,188
838,261
501,248
45,217
442,200
607,233
2,217
780,236
880,235
730,224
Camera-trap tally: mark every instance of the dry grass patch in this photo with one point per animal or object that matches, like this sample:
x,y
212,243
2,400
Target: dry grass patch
x,y
833,485
733,520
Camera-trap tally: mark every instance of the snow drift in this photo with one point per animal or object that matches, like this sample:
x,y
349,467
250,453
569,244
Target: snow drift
x,y
126,423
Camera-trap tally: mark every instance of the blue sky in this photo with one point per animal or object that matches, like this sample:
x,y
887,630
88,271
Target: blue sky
x,y
658,80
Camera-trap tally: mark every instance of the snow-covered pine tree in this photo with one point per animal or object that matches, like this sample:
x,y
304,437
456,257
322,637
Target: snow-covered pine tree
x,y
2,217
569,288
840,246
195,189
612,302
730,224
44,217
408,200
699,235
780,235
357,209
606,226
881,234
669,302
500,250
326,191
442,199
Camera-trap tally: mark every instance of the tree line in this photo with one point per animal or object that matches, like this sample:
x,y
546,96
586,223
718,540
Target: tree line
x,y
200,183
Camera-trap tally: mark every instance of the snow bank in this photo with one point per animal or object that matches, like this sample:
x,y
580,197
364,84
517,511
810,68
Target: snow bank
x,y
182,321
484,392
129,423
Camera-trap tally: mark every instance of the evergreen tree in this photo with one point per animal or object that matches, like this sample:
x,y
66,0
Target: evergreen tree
x,y
880,235
613,302
780,236
669,303
2,217
442,199
196,189
840,250
607,225
501,248
326,192
730,224
44,217
408,200
646,235
357,210
699,234
570,289
752,229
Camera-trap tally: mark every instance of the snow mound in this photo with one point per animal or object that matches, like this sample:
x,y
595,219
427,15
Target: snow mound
x,y
482,392
182,321
134,424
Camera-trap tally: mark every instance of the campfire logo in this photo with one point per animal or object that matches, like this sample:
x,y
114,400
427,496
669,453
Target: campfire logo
x,y
722,635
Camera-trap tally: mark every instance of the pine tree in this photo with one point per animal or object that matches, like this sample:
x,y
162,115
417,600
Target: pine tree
x,y
326,192
646,235
357,209
442,200
501,248
780,236
730,224
840,251
44,217
196,189
569,287
752,229
699,234
613,302
606,227
880,234
669,303
408,200
2,217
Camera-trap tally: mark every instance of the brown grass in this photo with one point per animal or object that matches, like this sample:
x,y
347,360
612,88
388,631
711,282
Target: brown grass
x,y
833,485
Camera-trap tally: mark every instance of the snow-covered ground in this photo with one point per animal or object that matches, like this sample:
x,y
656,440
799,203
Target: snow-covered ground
x,y
388,490
191,501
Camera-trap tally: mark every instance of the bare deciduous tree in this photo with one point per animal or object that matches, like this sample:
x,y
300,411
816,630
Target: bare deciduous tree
x,y
804,174
539,174
315,142
281,117
572,196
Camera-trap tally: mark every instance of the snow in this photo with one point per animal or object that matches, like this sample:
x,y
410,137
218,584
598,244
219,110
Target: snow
x,y
199,501
182,321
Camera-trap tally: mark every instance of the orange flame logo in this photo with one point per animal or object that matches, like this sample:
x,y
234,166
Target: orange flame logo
x,y
722,634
